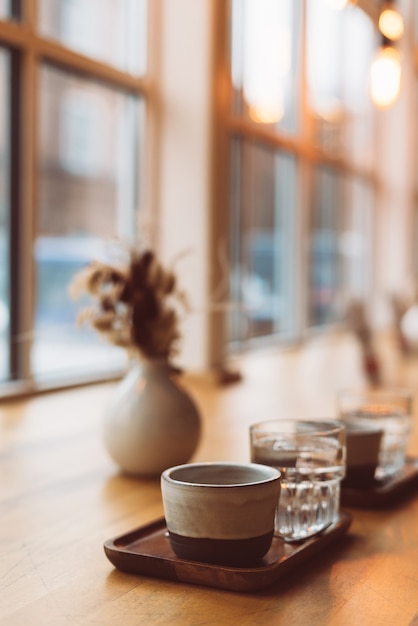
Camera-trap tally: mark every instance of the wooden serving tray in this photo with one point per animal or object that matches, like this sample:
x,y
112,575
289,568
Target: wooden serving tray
x,y
147,551
385,494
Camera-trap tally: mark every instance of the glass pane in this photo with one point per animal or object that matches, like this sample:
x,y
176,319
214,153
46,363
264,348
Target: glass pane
x,y
262,245
264,64
354,241
414,238
339,245
415,131
111,31
5,9
415,174
87,195
323,240
340,106
414,9
4,212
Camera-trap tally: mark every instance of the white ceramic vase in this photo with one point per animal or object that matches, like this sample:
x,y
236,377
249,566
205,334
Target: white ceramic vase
x,y
152,423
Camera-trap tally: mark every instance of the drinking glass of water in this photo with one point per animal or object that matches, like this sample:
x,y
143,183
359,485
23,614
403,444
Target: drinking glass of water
x,y
390,410
310,455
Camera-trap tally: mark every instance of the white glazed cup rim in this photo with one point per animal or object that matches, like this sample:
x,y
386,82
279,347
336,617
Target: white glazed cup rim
x,y
262,474
356,427
317,427
378,391
381,394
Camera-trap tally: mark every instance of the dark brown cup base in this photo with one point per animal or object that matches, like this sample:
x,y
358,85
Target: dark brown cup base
x,y
360,477
233,552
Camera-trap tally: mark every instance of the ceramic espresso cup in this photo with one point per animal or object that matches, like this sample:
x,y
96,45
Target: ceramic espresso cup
x,y
220,512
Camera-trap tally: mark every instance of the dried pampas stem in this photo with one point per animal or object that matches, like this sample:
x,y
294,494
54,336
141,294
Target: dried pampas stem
x,y
137,305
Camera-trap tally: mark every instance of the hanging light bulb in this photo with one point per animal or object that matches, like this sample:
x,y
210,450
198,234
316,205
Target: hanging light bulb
x,y
385,76
391,21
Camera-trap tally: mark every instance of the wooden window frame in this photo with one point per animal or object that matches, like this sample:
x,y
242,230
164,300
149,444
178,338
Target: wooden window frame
x,y
226,126
29,50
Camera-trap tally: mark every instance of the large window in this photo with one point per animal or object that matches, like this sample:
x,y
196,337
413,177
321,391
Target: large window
x,y
263,227
4,212
338,237
414,229
301,130
72,130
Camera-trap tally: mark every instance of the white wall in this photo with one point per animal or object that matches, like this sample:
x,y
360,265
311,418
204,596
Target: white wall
x,y
184,180
393,217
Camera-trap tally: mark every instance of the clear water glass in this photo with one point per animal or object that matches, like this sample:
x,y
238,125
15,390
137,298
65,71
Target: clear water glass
x,y
311,456
387,409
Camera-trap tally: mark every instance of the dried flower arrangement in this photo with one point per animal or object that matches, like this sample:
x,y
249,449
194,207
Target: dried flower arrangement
x,y
137,304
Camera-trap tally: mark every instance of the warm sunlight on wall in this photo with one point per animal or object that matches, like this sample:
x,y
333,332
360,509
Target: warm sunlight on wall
x,y
184,185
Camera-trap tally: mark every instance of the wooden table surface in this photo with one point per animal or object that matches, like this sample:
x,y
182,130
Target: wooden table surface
x,y
61,498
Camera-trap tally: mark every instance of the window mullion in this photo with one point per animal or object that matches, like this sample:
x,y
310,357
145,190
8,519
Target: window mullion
x,y
30,13
27,210
61,55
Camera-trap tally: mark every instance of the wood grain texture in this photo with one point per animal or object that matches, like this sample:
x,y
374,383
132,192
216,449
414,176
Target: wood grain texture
x,y
61,498
147,551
